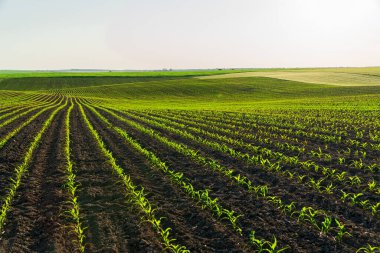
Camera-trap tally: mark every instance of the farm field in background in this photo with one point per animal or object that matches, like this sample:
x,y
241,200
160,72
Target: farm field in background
x,y
176,162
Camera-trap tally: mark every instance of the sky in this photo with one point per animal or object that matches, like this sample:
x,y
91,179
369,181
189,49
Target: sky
x,y
152,34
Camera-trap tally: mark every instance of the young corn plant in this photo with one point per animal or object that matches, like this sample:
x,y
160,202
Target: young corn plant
x,y
326,225
344,195
355,198
289,208
369,249
354,180
265,246
329,189
342,231
372,185
308,214
375,208
341,176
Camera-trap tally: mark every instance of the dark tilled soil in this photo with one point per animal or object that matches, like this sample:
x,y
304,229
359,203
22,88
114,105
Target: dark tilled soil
x,y
327,202
111,225
7,109
366,176
12,153
371,157
363,227
258,215
36,222
193,227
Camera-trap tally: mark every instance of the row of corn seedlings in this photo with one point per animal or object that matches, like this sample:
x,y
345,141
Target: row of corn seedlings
x,y
316,184
135,196
18,115
178,178
12,133
260,190
308,134
21,169
72,187
263,135
234,138
201,195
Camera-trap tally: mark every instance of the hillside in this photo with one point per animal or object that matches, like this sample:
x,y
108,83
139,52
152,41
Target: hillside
x,y
236,91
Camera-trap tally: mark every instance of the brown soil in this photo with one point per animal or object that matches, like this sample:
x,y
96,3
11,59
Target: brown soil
x,y
364,175
111,224
363,227
12,153
35,222
192,226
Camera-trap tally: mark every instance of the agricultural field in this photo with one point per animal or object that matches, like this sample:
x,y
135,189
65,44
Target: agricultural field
x,y
212,161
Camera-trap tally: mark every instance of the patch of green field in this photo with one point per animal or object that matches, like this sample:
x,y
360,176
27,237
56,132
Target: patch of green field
x,y
348,77
17,80
168,73
233,93
54,83
230,94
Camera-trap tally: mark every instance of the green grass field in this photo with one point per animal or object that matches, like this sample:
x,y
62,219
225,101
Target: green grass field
x,y
274,160
313,88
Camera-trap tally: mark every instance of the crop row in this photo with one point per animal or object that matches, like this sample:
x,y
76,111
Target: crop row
x,y
72,187
307,214
235,138
268,134
292,209
266,164
136,196
21,169
178,178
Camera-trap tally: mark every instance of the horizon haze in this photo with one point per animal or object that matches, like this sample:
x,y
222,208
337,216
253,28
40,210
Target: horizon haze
x,y
56,35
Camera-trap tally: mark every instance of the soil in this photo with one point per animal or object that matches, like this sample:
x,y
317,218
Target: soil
x,y
111,224
12,153
192,226
37,221
363,226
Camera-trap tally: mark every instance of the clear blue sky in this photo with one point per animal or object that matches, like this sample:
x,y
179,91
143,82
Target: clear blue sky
x,y
154,34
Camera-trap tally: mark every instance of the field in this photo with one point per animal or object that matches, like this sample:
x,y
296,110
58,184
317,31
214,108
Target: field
x,y
201,161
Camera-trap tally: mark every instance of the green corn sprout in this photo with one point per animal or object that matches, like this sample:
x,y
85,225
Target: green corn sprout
x,y
372,185
355,197
265,246
344,195
375,208
289,207
329,189
326,225
369,249
342,231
